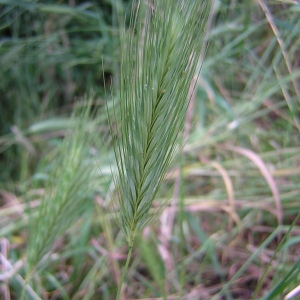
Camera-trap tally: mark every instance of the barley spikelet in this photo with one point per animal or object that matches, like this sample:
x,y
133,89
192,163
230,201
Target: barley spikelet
x,y
160,57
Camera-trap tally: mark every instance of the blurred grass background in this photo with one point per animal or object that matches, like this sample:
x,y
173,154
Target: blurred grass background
x,y
236,188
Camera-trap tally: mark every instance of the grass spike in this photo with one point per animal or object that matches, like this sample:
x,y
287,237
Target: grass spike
x,y
69,183
160,55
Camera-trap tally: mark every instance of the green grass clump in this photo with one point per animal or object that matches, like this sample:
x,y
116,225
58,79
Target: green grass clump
x,y
232,229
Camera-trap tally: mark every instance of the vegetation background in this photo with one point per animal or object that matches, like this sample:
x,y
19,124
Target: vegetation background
x,y
232,229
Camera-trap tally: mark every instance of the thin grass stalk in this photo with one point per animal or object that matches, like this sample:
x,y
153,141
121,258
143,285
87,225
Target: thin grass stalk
x,y
182,218
124,273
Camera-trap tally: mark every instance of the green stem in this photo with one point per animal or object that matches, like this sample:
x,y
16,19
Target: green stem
x,y
124,273
181,220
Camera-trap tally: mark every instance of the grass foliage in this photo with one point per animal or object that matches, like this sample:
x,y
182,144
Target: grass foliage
x,y
66,163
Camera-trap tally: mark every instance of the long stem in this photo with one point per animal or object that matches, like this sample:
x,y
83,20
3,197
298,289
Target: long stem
x,y
124,272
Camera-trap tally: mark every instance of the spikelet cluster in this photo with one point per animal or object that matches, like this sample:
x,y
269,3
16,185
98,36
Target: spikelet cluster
x,y
160,57
68,189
